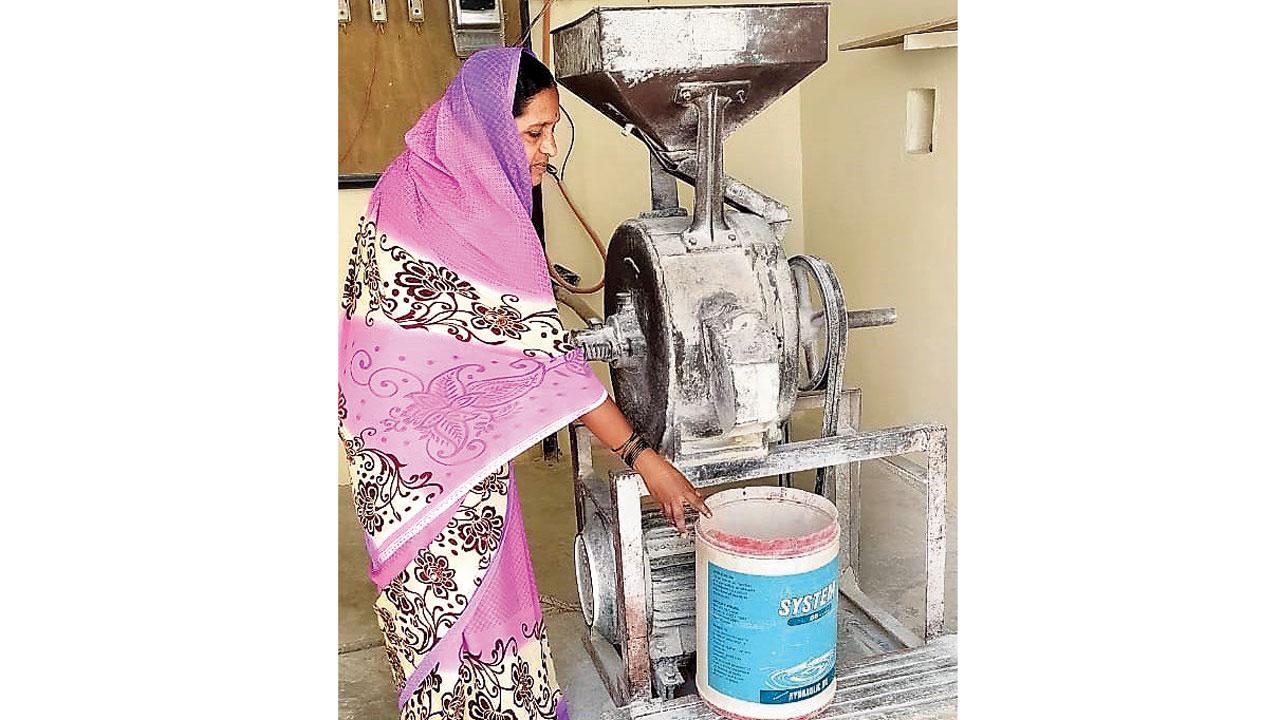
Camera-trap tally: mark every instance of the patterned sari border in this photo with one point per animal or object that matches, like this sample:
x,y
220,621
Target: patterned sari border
x,y
384,571
429,661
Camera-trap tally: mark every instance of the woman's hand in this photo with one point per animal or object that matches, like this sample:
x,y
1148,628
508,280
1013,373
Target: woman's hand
x,y
666,484
669,487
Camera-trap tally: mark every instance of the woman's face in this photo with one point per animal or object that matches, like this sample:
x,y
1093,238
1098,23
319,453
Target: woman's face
x,y
536,126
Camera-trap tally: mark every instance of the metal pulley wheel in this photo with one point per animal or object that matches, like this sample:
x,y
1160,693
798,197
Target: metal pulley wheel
x,y
823,321
824,334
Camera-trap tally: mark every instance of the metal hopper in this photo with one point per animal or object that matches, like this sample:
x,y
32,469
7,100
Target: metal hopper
x,y
685,78
628,62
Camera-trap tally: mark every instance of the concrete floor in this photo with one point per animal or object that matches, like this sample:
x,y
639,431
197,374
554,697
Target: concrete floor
x,y
892,573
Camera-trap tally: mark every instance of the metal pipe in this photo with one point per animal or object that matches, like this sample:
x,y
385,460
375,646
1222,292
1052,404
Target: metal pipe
x,y
662,187
576,304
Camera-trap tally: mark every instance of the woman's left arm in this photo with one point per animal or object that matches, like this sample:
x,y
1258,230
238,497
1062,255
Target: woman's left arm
x,y
668,486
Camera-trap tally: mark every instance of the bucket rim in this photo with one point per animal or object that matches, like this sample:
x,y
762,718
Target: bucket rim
x,y
770,548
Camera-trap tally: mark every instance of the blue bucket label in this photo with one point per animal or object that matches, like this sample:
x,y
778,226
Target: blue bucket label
x,y
771,638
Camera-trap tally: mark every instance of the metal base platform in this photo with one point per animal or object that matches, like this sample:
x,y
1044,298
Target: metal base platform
x,y
916,683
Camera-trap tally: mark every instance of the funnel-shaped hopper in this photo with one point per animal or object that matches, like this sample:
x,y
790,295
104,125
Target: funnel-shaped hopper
x,y
627,62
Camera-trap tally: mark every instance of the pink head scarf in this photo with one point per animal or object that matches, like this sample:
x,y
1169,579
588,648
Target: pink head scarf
x,y
453,358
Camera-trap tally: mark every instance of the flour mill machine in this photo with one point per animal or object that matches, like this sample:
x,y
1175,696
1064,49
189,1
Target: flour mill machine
x,y
714,339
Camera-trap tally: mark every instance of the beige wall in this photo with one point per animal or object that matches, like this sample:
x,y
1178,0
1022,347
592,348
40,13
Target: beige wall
x,y
351,205
885,219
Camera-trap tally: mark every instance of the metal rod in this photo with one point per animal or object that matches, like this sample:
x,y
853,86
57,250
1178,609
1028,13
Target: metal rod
x,y
803,455
872,318
352,181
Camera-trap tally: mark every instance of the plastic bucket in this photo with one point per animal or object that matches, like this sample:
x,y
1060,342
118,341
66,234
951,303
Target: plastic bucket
x,y
767,595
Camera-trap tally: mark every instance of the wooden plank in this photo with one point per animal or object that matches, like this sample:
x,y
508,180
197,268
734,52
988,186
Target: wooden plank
x,y
928,669
941,710
894,37
920,686
930,40
866,672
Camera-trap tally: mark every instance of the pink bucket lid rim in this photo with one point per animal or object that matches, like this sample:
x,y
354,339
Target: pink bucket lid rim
x,y
775,548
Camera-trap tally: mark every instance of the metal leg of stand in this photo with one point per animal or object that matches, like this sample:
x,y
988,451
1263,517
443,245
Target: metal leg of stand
x,y
935,534
847,481
583,466
634,629
785,480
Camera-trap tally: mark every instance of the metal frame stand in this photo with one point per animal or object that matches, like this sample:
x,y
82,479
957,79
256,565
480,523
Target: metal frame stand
x,y
626,667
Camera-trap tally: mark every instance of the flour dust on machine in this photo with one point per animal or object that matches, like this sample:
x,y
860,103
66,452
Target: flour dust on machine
x,y
714,340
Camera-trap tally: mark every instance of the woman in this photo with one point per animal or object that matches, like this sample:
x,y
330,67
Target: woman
x,y
453,361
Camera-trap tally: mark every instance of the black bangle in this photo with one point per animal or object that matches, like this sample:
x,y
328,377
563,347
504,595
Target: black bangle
x,y
638,448
631,449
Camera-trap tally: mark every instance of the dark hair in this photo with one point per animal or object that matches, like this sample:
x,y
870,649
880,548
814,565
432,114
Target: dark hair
x,y
533,78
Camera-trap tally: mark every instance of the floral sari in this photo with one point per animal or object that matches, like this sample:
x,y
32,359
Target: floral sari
x,y
452,361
